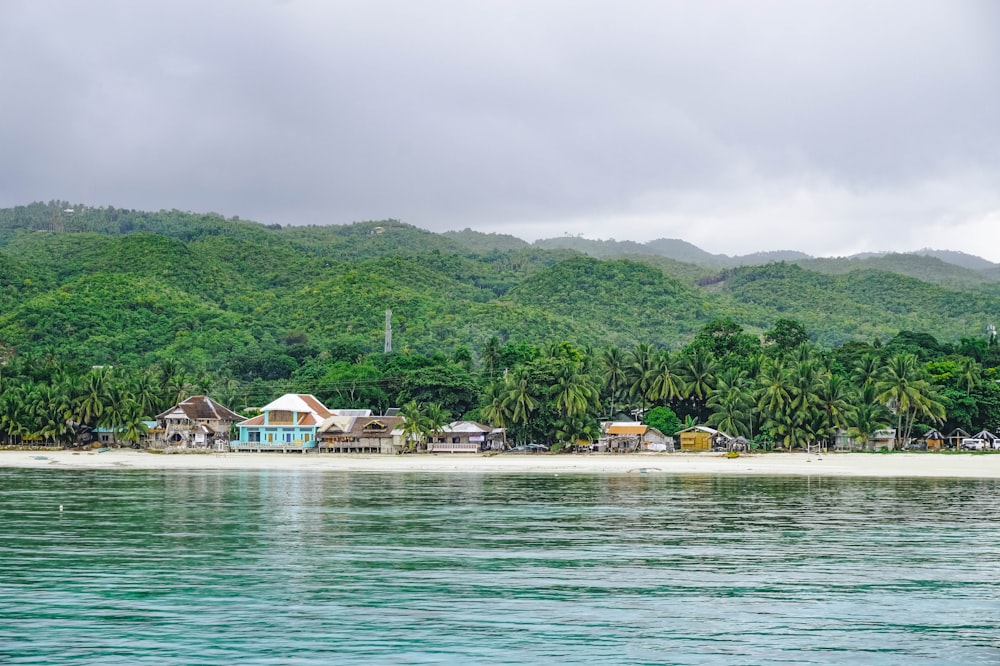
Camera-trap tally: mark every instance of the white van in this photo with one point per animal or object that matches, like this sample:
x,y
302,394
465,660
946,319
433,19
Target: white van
x,y
972,444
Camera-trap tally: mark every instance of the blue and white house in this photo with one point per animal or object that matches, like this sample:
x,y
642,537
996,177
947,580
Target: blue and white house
x,y
286,424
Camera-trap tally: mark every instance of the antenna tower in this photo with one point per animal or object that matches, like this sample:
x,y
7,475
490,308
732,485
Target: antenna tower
x,y
388,331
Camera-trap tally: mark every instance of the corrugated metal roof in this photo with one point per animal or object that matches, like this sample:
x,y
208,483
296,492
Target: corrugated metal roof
x,y
627,429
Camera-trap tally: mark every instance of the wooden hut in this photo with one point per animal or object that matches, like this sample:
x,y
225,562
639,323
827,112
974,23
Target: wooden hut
x,y
624,435
934,440
955,438
701,438
992,441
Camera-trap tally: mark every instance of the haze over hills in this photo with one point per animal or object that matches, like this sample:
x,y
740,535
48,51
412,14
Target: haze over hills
x,y
683,251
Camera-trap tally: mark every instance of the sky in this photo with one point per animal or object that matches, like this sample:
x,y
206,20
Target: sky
x,y
828,127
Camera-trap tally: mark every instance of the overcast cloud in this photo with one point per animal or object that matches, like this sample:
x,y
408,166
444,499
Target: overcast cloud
x,y
827,127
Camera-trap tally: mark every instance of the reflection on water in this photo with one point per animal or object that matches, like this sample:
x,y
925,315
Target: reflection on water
x,y
298,567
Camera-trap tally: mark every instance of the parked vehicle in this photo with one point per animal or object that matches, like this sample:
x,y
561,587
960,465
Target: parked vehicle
x,y
529,448
972,444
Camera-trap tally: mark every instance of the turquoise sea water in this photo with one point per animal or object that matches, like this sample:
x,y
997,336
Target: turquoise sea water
x,y
319,568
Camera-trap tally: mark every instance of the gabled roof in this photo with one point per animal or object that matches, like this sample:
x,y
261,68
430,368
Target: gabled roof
x,y
304,419
351,412
336,424
626,428
933,434
301,403
701,428
201,408
985,435
465,426
388,424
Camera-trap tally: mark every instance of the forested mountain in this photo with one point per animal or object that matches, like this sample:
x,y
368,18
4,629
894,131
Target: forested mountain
x,y
110,285
976,269
185,301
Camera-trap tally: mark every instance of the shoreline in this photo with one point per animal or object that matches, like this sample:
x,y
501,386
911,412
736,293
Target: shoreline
x,y
897,465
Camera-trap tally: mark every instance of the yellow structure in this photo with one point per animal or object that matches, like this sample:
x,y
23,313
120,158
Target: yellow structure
x,y
699,438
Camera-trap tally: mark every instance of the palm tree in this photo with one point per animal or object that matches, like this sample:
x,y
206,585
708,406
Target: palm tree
x,y
520,400
572,429
131,427
613,364
905,390
867,370
572,393
868,413
120,411
436,418
147,394
95,396
802,417
833,402
698,369
774,397
731,403
491,355
970,374
496,411
415,426
641,362
667,383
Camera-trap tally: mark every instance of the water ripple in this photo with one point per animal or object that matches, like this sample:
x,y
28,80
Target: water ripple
x,y
308,568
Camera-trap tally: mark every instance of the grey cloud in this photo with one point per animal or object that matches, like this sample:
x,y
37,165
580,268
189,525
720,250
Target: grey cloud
x,y
528,116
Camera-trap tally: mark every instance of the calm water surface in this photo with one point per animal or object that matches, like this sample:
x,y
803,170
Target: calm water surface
x,y
317,568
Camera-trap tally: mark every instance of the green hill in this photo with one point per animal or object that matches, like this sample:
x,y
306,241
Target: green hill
x,y
117,286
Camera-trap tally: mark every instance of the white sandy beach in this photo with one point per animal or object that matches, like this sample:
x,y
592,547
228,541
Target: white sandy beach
x,y
838,464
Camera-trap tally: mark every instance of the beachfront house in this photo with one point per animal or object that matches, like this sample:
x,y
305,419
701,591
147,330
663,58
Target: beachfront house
x,y
288,424
619,436
459,437
197,422
881,439
348,432
701,438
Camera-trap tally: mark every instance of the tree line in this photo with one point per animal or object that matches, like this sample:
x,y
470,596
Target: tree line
x,y
778,389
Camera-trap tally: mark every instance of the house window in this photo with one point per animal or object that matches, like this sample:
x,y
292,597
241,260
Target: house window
x,y
288,437
253,435
456,440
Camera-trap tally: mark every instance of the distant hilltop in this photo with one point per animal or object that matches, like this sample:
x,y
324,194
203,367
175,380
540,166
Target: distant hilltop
x,y
683,251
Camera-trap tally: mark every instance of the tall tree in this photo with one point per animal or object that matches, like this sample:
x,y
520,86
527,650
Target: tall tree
x,y
667,385
640,370
614,371
907,393
731,403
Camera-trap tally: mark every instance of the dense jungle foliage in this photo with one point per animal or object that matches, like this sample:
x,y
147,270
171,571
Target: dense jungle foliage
x,y
110,315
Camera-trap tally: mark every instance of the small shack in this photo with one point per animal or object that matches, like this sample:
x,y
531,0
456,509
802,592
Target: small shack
x,y
992,441
955,438
701,438
882,439
933,439
654,440
624,435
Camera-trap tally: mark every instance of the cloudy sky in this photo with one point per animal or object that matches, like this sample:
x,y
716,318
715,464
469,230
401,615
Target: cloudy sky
x,y
827,127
